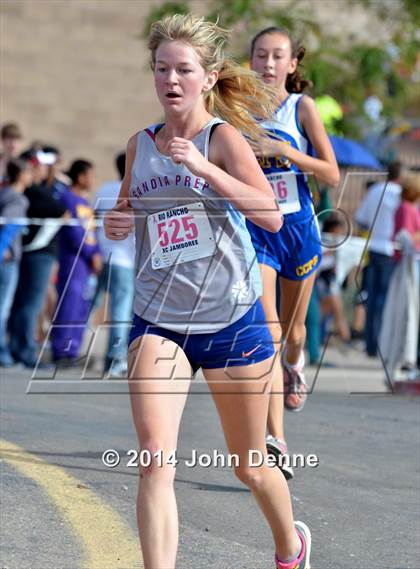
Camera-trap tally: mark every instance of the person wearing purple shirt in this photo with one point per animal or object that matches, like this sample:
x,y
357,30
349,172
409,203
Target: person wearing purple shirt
x,y
80,259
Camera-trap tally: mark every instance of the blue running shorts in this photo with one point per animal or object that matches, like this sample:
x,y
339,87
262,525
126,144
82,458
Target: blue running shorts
x,y
294,252
247,341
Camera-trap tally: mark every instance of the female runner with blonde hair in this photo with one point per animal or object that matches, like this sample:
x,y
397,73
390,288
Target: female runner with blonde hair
x,y
191,183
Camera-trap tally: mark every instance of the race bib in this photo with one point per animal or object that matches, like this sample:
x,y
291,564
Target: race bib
x,y
180,234
285,187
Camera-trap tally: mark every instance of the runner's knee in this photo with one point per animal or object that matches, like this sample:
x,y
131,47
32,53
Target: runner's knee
x,y
251,476
157,463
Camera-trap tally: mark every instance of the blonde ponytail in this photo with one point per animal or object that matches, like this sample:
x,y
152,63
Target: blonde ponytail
x,y
239,96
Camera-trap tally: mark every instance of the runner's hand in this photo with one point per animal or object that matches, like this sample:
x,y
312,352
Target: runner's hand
x,y
269,147
185,152
119,221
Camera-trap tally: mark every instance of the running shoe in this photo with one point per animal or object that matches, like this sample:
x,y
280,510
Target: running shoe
x,y
278,449
303,561
295,388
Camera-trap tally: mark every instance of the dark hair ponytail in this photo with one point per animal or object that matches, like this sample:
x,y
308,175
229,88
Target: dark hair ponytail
x,y
295,82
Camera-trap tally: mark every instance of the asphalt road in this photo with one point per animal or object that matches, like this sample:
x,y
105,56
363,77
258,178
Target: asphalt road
x,y
362,502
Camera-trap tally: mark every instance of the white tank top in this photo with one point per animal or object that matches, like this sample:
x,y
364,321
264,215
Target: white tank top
x,y
285,123
196,269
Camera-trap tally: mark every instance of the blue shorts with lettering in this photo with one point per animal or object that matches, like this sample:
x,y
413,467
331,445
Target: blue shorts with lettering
x,y
294,252
247,341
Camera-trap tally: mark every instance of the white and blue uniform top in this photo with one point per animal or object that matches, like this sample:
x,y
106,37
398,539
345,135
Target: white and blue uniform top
x,y
294,251
195,263
289,184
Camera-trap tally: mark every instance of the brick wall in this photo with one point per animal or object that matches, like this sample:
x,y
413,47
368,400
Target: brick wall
x,y
75,74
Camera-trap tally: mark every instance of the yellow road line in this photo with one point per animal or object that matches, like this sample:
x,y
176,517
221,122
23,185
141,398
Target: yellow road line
x,y
107,542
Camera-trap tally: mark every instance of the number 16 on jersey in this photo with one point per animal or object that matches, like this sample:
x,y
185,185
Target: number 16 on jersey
x,y
286,190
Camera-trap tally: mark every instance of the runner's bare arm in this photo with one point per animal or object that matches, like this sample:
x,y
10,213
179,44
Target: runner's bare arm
x,y
237,176
324,167
119,221
233,172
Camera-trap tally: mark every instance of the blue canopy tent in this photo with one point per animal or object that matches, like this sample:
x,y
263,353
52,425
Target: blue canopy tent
x,y
351,153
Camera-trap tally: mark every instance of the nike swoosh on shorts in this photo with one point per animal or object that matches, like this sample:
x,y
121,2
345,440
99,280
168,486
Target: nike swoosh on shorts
x,y
247,354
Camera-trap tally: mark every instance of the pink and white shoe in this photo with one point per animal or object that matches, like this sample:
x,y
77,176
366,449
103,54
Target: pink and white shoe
x,y
303,560
295,388
278,448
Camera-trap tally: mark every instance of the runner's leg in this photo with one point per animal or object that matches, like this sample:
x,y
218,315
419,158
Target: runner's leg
x,y
158,391
268,301
294,302
243,407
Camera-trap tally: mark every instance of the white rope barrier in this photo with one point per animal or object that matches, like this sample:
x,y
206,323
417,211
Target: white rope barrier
x,y
71,222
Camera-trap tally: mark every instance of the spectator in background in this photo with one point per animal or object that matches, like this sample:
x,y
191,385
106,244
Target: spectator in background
x,y
359,313
11,142
399,334
13,204
377,213
56,182
408,218
116,278
313,327
313,323
39,167
329,291
408,214
79,258
39,254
